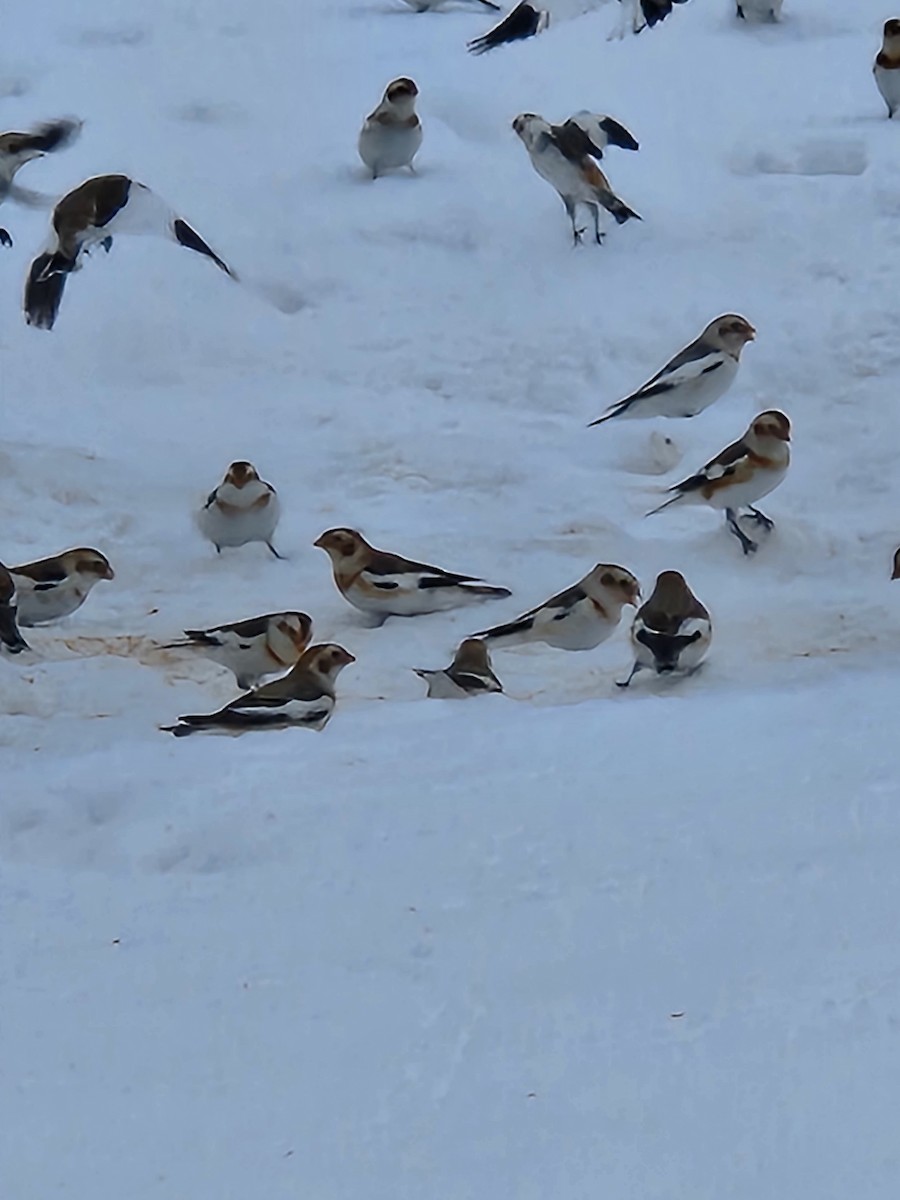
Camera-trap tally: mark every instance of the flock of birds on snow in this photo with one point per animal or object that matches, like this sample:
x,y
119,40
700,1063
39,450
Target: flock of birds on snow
x,y
671,630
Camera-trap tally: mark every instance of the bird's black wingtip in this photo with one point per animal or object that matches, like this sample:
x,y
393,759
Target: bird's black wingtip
x,y
44,291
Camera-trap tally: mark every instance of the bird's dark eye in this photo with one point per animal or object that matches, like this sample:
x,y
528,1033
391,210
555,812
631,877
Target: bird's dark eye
x,y
607,580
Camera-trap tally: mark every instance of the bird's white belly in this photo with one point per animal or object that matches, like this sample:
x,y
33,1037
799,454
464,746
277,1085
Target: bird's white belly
x,y
581,629
889,85
386,148
693,396
743,494
36,608
235,528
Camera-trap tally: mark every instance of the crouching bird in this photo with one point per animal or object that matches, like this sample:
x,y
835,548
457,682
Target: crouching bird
x,y
53,588
304,698
89,216
469,674
671,632
254,648
383,585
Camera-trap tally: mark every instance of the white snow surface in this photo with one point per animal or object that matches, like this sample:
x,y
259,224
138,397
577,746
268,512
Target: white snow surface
x,y
563,943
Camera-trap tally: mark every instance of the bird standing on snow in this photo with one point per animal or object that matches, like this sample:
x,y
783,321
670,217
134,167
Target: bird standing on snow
x,y
694,379
887,66
254,648
743,473
564,156
53,588
469,674
16,149
243,508
671,631
303,698
89,216
10,638
392,133
383,585
579,618
527,19
758,10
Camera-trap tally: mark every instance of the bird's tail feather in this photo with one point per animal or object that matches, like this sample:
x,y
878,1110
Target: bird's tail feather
x,y
186,236
618,208
483,589
511,629
665,504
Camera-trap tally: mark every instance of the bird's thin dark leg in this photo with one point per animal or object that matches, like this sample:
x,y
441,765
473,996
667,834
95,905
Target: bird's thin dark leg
x,y
5,239
740,12
595,213
623,683
274,551
748,546
761,518
576,232
218,549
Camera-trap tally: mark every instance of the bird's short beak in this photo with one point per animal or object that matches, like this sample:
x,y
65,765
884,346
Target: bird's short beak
x,y
318,541
752,334
110,573
351,657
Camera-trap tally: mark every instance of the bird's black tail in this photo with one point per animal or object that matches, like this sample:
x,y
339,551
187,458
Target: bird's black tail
x,y
54,135
193,241
520,625
44,289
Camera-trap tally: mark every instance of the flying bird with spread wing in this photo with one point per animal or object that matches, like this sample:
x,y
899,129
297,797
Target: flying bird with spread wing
x,y
530,17
88,216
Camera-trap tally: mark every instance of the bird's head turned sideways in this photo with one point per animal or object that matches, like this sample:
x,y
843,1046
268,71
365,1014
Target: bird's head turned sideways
x,y
401,91
617,580
327,659
529,126
241,473
732,332
772,424
892,29
340,543
90,562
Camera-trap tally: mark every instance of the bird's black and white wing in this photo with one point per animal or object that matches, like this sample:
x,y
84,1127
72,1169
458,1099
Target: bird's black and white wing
x,y
530,17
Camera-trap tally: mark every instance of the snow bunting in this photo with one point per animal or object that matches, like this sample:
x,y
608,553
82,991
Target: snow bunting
x,y
671,631
431,5
564,156
89,216
527,19
887,66
383,585
303,698
243,508
758,10
579,618
392,133
10,638
743,473
16,149
254,648
53,588
695,378
469,674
